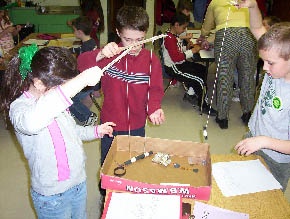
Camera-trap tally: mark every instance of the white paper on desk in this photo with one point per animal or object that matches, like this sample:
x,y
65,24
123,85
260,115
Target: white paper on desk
x,y
243,177
195,33
69,39
143,206
205,211
36,41
206,54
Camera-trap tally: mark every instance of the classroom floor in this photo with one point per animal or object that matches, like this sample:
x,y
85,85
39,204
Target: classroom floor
x,y
183,122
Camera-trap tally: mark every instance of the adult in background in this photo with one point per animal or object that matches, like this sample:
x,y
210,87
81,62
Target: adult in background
x,y
235,48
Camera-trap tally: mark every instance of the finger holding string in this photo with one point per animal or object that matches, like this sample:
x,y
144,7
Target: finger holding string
x,y
152,39
116,50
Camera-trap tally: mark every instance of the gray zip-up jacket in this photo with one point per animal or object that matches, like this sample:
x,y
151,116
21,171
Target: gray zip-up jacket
x,y
32,119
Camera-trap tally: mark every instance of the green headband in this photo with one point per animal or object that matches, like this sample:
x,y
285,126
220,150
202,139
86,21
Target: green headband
x,y
26,54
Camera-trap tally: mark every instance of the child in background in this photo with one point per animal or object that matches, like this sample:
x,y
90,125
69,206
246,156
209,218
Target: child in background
x,y
82,27
269,21
7,30
177,66
185,7
133,87
269,124
36,92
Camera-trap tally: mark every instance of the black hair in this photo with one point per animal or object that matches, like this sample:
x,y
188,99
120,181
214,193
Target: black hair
x,y
52,65
179,18
132,17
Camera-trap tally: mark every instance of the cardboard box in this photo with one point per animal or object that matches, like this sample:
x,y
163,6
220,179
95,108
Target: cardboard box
x,y
192,179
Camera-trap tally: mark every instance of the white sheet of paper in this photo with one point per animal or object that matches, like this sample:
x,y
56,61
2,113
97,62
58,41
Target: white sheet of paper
x,y
144,206
243,177
205,54
36,41
195,33
205,211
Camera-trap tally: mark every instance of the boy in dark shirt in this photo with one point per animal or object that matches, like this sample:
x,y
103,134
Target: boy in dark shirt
x,y
82,27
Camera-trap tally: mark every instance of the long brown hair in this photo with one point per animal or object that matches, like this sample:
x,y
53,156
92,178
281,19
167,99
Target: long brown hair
x,y
52,65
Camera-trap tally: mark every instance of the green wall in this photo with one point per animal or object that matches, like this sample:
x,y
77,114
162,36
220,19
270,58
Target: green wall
x,y
44,23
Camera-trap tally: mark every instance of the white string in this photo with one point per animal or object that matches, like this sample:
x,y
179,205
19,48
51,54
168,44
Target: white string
x,y
116,59
128,108
152,39
148,94
216,75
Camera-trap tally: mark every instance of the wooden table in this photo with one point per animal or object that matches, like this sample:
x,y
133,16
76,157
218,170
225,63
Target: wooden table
x,y
262,205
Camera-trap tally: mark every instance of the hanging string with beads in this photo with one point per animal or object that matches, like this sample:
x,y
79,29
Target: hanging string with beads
x,y
204,132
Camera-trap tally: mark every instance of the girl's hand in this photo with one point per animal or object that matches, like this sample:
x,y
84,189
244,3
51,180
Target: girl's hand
x,y
92,76
158,117
106,129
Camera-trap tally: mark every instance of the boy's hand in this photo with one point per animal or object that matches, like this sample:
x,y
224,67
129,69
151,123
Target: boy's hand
x,y
157,118
250,145
196,48
110,50
189,35
106,129
190,44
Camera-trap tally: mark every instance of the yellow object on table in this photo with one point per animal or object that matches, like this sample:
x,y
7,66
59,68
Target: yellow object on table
x,y
67,35
61,43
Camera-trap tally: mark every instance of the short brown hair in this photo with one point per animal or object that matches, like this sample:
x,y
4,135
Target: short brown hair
x,y
184,4
132,17
277,36
84,24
